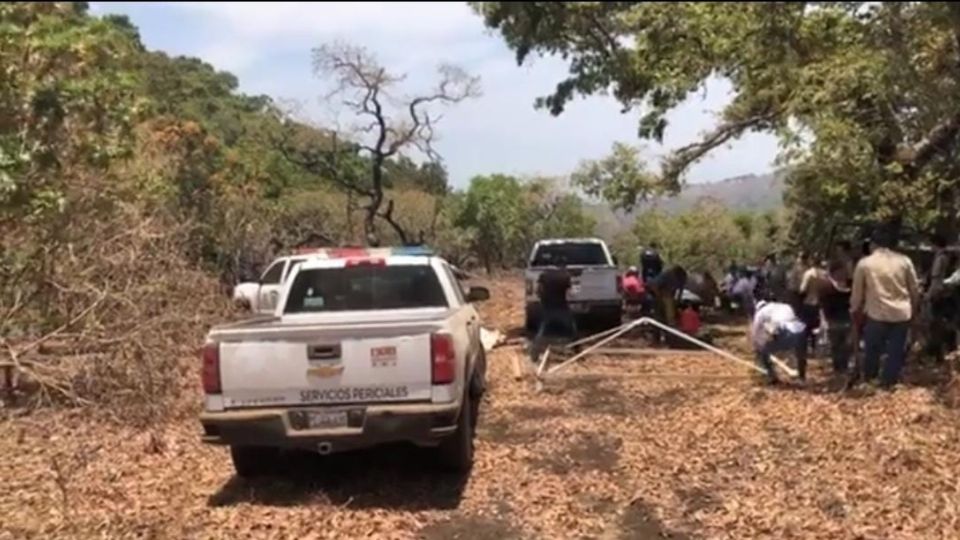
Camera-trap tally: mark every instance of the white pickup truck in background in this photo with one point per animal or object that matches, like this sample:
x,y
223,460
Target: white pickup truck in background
x,y
361,350
262,296
595,295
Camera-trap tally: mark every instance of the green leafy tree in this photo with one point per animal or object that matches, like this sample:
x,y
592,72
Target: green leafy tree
x,y
67,102
865,96
622,178
493,210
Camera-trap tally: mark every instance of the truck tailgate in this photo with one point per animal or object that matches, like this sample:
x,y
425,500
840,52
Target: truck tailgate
x,y
328,365
587,284
593,284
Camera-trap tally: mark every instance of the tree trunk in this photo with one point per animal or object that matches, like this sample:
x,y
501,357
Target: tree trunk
x,y
370,220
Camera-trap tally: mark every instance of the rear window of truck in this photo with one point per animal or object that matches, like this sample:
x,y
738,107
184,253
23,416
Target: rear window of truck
x,y
572,254
363,288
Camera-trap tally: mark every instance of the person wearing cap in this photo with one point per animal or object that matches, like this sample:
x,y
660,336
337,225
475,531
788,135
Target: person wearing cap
x,y
885,298
776,328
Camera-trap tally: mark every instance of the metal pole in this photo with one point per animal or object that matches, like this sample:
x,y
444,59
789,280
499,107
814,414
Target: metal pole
x,y
596,336
623,329
706,346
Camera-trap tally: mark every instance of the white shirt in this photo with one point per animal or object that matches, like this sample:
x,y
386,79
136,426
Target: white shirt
x,y
770,319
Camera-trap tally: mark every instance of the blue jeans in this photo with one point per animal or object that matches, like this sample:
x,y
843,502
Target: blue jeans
x,y
558,320
884,337
785,341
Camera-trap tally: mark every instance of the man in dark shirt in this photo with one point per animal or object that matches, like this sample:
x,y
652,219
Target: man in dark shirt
x,y
667,289
835,303
552,288
651,265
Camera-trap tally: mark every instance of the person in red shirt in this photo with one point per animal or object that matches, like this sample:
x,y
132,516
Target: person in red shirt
x,y
632,284
689,321
634,293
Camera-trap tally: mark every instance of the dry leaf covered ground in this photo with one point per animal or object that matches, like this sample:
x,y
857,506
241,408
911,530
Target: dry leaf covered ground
x,y
673,446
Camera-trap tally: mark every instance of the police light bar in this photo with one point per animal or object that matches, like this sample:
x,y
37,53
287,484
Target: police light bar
x,y
362,252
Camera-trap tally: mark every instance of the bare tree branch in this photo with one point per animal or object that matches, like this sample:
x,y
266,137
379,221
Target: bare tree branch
x,y
674,166
395,126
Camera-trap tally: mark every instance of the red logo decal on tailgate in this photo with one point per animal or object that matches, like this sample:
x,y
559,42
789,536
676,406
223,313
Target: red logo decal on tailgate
x,y
383,356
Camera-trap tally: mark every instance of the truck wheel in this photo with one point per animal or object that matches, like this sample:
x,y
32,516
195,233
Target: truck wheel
x,y
456,451
253,461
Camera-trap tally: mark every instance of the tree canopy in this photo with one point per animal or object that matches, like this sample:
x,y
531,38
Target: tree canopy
x,y
864,96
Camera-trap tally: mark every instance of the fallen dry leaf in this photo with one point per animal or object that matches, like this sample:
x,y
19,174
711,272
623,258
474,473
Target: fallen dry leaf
x,y
689,446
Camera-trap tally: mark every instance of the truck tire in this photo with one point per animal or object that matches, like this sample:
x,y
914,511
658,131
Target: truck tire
x,y
253,461
455,453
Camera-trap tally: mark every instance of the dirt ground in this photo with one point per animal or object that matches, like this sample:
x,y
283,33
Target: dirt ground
x,y
675,446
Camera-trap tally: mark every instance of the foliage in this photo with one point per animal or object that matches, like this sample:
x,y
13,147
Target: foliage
x,y
864,96
620,178
706,238
505,216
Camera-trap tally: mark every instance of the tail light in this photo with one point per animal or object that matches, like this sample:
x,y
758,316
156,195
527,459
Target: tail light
x,y
443,358
619,284
210,373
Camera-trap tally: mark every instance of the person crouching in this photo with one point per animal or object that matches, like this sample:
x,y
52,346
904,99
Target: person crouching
x,y
776,328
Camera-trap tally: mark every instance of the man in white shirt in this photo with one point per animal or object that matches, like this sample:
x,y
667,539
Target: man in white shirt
x,y
776,328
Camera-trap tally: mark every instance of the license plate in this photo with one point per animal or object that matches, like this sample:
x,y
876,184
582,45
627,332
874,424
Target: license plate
x,y
578,308
326,419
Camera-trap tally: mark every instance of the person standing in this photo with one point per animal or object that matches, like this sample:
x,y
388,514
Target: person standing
x,y
776,328
795,278
885,296
667,289
940,303
810,286
744,292
651,265
776,278
553,286
835,302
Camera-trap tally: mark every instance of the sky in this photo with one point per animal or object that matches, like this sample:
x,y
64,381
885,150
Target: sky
x,y
267,46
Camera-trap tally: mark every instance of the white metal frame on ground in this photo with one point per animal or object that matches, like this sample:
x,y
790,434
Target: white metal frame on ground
x,y
609,335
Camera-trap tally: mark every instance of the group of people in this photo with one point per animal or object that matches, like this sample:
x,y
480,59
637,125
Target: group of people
x,y
873,299
650,290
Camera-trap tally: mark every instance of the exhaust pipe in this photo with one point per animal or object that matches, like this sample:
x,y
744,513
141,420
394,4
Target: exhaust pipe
x,y
324,448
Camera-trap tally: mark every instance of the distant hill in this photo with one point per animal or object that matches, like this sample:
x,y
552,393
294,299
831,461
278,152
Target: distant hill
x,y
750,192
753,192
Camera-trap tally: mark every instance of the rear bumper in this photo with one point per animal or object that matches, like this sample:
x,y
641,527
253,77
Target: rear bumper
x,y
422,424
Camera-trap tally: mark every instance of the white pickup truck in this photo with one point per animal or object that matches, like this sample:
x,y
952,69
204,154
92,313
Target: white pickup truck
x,y
595,294
361,350
262,296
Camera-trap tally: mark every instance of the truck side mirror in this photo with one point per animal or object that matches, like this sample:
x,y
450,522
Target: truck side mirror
x,y
616,262
478,294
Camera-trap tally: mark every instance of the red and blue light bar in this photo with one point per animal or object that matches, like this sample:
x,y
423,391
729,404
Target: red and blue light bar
x,y
367,253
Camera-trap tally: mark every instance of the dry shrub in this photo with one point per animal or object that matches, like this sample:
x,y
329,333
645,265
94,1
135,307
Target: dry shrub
x,y
109,312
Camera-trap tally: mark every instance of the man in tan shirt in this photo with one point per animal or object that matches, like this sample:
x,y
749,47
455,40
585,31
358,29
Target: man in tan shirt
x,y
886,294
